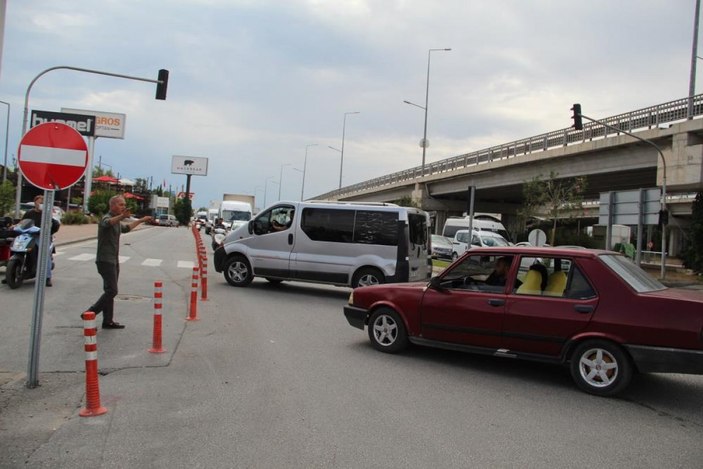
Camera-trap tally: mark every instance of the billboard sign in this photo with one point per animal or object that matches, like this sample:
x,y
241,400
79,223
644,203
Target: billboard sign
x,y
107,124
84,124
193,165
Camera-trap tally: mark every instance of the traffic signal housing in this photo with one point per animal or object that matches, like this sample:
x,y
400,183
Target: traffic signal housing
x,y
162,85
578,123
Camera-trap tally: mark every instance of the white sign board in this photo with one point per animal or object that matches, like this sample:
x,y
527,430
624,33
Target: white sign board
x,y
107,124
629,207
194,165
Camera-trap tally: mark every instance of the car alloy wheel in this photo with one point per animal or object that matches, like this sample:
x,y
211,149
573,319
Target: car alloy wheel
x,y
238,272
367,276
387,331
600,367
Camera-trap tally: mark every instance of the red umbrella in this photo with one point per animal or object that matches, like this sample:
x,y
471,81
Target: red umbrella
x,y
108,179
129,195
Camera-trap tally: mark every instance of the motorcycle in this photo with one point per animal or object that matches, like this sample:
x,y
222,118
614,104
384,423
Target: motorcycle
x,y
22,264
218,236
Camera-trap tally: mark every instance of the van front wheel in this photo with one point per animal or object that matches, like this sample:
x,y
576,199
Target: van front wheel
x,y
238,271
368,276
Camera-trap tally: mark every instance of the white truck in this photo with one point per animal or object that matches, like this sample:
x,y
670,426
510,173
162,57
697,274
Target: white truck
x,y
235,213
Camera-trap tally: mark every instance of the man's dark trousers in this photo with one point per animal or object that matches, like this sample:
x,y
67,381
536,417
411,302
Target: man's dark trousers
x,y
106,303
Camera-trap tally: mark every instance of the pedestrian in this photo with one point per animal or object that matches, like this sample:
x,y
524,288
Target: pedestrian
x,y
107,259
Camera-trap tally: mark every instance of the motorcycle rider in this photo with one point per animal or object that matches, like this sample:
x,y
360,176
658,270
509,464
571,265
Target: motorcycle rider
x,y
35,215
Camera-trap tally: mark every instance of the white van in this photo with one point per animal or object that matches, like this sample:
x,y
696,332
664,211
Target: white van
x,y
234,213
481,222
480,238
338,243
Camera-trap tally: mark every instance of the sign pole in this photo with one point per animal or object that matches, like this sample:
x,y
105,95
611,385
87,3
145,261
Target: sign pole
x,y
87,187
38,310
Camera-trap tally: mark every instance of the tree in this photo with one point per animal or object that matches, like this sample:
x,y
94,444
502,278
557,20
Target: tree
x,y
693,256
556,196
182,211
99,171
7,197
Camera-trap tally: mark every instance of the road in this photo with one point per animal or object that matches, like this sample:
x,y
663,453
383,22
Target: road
x,y
273,376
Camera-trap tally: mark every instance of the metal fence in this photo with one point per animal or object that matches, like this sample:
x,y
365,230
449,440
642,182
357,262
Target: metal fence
x,y
640,119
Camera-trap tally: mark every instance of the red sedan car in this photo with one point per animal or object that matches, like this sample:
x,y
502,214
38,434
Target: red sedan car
x,y
592,310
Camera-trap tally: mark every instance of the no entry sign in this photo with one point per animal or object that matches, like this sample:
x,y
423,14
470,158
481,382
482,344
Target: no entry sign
x,y
52,156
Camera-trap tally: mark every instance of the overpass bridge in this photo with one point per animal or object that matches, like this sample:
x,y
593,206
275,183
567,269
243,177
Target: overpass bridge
x,y
609,159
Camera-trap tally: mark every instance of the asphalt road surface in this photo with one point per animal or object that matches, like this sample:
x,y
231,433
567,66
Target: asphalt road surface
x,y
273,376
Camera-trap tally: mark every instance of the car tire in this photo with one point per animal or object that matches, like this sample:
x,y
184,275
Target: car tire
x,y
601,367
387,331
237,271
367,276
455,256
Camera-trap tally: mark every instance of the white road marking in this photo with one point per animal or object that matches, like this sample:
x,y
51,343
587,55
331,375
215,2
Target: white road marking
x,y
152,262
185,264
123,259
82,257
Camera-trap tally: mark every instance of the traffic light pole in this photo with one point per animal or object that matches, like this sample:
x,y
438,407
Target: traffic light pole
x,y
161,86
577,123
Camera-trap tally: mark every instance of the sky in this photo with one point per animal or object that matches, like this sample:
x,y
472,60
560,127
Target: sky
x,y
254,83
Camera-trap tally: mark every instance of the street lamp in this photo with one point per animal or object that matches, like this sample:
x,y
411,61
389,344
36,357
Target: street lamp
x,y
305,167
7,132
341,159
280,180
423,143
266,189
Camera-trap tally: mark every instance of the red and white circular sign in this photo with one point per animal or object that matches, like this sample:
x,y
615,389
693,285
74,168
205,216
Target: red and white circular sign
x,y
52,156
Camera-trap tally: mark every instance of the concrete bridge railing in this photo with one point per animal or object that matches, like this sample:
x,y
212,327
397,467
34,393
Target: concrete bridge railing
x,y
640,119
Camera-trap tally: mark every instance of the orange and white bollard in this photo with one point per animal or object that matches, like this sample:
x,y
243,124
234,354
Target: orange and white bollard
x,y
193,313
203,279
156,346
92,387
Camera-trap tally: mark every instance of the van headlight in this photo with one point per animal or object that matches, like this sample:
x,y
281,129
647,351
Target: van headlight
x,y
351,298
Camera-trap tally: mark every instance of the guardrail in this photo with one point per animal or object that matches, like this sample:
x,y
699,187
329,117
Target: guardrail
x,y
640,119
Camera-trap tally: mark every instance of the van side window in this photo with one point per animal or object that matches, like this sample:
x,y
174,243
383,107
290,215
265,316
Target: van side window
x,y
417,225
323,224
376,228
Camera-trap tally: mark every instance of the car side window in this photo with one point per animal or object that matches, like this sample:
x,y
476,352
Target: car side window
x,y
579,288
477,273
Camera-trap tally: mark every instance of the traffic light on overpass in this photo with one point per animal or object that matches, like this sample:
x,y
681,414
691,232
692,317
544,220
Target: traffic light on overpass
x,y
162,85
578,124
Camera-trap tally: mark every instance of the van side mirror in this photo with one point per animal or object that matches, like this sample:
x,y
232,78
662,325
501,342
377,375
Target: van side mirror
x,y
250,226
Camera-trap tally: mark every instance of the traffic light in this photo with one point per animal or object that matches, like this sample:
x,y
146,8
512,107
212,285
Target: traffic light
x,y
578,124
162,85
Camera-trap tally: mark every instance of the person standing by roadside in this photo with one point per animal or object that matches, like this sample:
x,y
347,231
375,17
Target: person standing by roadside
x,y
107,259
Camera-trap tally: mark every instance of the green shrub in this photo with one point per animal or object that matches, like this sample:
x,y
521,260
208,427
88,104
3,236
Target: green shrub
x,y
74,218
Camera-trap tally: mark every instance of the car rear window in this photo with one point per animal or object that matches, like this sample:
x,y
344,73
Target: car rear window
x,y
637,278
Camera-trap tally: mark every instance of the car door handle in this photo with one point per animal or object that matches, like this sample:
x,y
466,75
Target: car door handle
x,y
496,302
586,309
290,238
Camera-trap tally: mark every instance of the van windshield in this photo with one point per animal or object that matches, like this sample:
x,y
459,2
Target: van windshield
x,y
236,215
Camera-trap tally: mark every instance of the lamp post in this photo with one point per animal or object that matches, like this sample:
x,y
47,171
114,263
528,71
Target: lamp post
x,y
305,167
280,180
423,144
7,132
266,189
694,57
341,159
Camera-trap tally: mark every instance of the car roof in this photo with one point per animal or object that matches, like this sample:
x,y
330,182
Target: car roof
x,y
541,251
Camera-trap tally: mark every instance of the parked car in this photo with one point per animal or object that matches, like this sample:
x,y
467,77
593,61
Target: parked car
x,y
441,247
597,313
480,238
167,220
